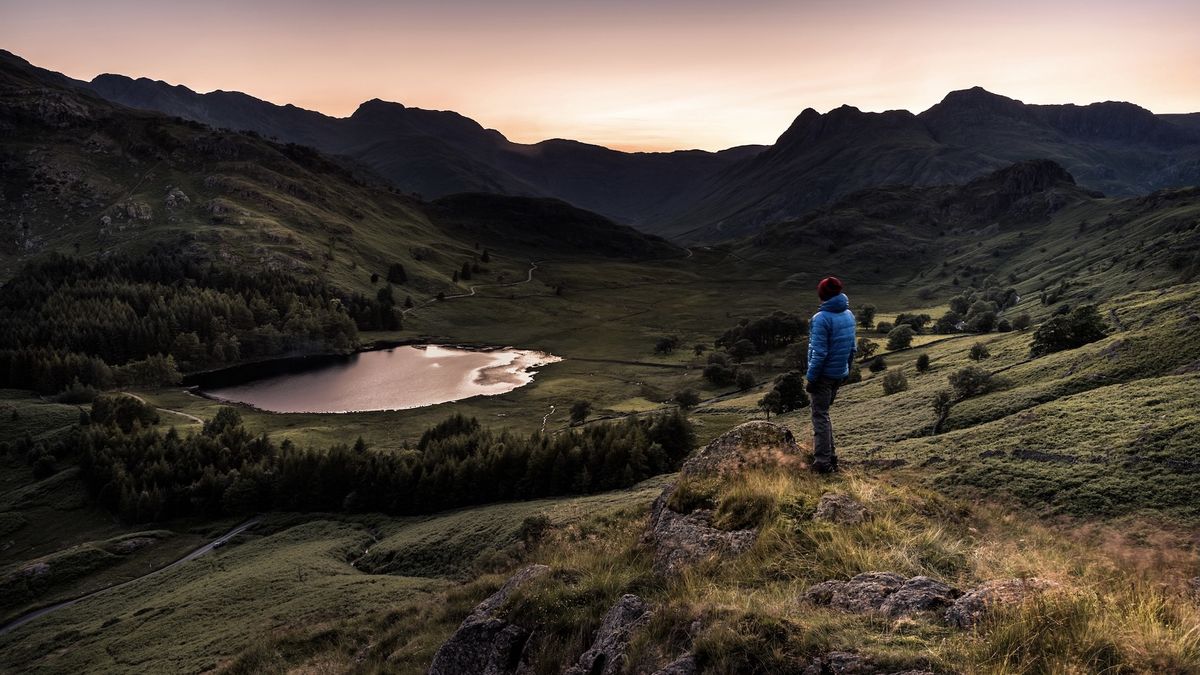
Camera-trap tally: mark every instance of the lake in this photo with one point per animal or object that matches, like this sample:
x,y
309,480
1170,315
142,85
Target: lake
x,y
398,378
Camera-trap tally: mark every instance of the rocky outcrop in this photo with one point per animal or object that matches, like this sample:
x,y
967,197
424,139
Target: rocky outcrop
x,y
606,656
973,605
883,593
840,509
751,445
683,539
485,643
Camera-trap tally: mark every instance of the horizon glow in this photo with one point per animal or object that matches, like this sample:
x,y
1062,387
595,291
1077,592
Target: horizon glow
x,y
651,75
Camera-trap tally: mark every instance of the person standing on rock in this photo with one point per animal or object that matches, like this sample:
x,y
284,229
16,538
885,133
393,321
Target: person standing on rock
x,y
831,347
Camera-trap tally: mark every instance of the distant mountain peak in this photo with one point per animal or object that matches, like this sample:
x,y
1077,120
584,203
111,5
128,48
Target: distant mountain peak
x,y
979,99
376,106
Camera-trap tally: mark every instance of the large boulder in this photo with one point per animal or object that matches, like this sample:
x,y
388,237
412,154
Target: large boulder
x,y
606,656
974,604
840,509
751,445
883,593
485,643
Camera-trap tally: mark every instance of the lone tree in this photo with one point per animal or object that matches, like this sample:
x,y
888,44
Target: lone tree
x,y
790,387
900,337
687,399
1022,322
771,402
942,402
867,348
666,344
971,381
878,365
978,352
396,274
1081,326
866,315
580,410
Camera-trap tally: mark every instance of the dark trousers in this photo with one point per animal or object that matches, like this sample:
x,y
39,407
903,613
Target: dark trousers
x,y
824,391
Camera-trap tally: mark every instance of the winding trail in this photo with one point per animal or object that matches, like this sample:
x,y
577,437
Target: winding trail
x,y
533,265
190,416
207,548
546,417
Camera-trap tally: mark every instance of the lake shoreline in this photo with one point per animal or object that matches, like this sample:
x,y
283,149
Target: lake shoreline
x,y
367,380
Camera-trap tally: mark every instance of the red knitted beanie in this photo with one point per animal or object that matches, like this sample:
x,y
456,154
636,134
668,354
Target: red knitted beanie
x,y
829,287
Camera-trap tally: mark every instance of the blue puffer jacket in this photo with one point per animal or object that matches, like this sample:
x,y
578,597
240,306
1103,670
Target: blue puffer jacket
x,y
831,340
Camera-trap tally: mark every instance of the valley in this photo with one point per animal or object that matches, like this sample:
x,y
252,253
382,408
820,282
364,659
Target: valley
x,y
660,300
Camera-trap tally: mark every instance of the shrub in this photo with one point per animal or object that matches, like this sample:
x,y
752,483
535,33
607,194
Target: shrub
x,y
742,350
1003,326
745,379
923,363
982,322
883,327
978,352
900,337
894,382
687,399
1081,326
878,365
942,402
971,381
580,410
1022,321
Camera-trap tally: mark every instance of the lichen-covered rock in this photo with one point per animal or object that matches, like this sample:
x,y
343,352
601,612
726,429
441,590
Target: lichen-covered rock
x,y
973,605
754,444
485,643
606,656
841,509
866,592
822,593
917,595
684,665
680,540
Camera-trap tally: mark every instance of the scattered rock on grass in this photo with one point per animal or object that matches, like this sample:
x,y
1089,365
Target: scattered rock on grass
x,y
684,665
485,643
972,606
883,592
841,509
606,656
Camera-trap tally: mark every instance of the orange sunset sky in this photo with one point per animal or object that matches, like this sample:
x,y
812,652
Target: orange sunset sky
x,y
650,75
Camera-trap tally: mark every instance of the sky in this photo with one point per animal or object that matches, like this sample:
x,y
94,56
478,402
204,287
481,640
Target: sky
x,y
628,74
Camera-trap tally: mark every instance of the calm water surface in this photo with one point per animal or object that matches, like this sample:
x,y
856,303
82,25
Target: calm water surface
x,y
391,379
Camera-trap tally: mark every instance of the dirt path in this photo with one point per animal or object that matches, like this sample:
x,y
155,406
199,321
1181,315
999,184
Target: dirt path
x,y
207,548
191,417
471,290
